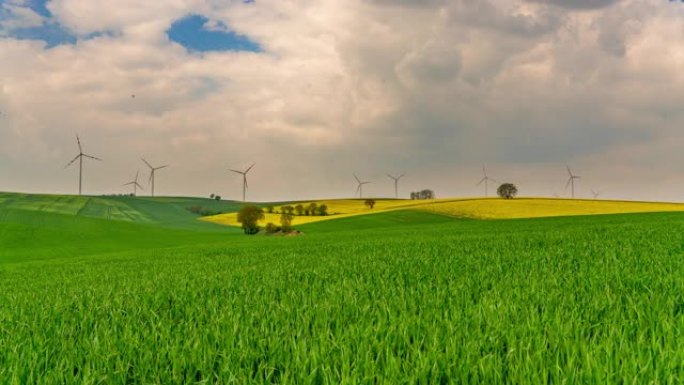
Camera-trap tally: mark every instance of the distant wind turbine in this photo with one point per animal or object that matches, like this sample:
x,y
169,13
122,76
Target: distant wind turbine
x,y
359,188
244,180
152,171
595,194
80,157
135,184
486,180
396,183
571,181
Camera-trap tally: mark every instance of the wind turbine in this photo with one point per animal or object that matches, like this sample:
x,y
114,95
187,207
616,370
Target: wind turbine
x,y
571,181
152,171
595,194
244,180
359,188
396,183
486,180
80,157
135,184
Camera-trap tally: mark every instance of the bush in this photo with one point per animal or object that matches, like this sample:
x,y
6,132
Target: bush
x,y
370,203
271,228
249,216
507,191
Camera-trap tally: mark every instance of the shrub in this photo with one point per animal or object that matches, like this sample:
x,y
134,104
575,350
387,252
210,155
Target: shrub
x,y
271,228
249,217
370,203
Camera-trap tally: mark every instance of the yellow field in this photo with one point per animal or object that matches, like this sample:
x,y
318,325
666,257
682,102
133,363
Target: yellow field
x,y
481,208
537,208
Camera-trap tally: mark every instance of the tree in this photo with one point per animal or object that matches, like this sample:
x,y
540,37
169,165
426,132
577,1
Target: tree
x,y
269,209
286,220
217,197
323,210
507,191
211,196
423,194
370,203
300,209
249,216
414,196
312,208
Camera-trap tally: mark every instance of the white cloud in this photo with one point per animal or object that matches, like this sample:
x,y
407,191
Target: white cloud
x,y
353,86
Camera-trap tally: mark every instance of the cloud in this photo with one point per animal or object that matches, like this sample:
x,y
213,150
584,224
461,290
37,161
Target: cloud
x,y
343,87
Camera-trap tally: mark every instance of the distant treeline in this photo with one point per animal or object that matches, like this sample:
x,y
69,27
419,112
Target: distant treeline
x,y
423,194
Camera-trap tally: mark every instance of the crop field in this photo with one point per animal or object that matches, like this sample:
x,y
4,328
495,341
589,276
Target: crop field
x,y
395,297
479,208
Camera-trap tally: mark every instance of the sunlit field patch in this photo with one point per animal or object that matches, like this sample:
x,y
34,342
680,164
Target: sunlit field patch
x,y
479,208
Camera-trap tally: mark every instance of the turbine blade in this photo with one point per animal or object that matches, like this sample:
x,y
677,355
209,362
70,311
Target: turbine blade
x,y
128,184
138,184
147,163
250,167
401,176
357,178
159,168
92,157
73,160
569,172
78,140
136,176
480,182
149,181
391,177
568,184
236,171
493,180
358,187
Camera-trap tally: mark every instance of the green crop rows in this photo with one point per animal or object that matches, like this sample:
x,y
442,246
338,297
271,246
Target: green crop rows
x,y
397,298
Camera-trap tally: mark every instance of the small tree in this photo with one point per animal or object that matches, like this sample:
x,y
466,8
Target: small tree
x,y
217,197
370,203
323,210
211,196
300,209
271,228
269,209
249,216
507,191
414,196
312,208
286,220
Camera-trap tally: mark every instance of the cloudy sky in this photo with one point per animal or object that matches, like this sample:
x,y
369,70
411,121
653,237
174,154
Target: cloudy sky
x,y
313,91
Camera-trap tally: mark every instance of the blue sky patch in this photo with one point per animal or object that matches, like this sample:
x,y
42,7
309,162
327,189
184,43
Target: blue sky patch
x,y
192,33
39,7
51,33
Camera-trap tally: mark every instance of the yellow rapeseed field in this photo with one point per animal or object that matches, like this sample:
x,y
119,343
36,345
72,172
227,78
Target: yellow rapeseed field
x,y
480,208
540,207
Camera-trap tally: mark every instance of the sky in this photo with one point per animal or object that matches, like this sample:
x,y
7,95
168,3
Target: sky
x,y
314,91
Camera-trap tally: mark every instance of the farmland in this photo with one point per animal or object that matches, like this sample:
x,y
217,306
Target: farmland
x,y
125,290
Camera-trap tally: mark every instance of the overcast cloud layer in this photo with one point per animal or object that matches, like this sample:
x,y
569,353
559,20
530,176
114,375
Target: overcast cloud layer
x,y
431,88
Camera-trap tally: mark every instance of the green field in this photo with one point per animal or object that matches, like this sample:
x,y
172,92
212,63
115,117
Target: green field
x,y
138,291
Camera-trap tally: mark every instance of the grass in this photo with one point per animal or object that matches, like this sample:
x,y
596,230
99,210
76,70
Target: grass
x,y
398,297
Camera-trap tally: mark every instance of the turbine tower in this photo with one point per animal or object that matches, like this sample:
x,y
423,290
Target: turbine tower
x,y
244,180
571,181
396,183
80,157
135,184
486,180
152,171
359,188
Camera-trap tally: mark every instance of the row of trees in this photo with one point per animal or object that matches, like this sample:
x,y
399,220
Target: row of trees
x,y
312,209
423,194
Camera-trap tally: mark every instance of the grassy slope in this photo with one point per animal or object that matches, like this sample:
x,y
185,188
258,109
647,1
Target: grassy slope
x,y
362,300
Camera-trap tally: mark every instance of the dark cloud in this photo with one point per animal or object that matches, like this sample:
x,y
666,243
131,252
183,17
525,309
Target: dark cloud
x,y
578,4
